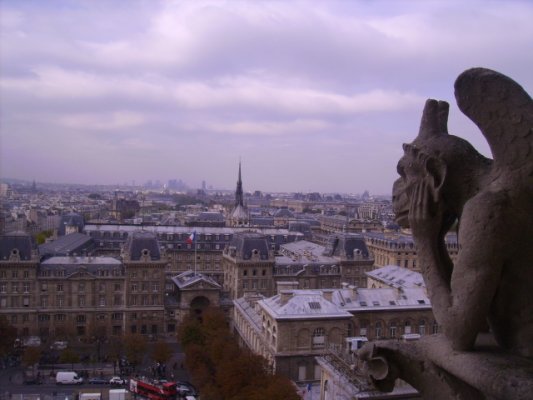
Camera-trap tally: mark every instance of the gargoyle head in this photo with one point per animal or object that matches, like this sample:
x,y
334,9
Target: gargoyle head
x,y
445,163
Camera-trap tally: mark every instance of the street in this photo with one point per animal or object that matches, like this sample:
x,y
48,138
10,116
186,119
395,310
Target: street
x,y
12,378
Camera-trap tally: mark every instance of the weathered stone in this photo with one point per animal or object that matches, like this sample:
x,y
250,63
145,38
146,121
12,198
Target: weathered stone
x,y
443,179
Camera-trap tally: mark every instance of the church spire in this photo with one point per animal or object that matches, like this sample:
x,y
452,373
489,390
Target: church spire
x,y
239,198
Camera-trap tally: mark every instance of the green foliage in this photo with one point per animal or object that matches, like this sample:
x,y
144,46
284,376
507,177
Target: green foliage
x,y
223,370
41,237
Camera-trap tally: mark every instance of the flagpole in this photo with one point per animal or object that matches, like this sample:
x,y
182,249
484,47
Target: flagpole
x,y
195,258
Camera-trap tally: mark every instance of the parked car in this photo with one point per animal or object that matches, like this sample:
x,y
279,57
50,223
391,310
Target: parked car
x,y
59,345
68,378
117,380
186,389
98,381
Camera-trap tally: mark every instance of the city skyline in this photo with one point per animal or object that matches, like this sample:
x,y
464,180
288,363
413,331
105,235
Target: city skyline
x,y
311,96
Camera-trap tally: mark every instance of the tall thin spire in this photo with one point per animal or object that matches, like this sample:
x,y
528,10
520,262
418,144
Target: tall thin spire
x,y
239,198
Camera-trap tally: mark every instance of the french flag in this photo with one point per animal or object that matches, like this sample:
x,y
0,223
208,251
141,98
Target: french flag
x,y
190,239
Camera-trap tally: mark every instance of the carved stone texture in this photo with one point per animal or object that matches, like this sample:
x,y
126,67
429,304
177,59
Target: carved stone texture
x,y
443,179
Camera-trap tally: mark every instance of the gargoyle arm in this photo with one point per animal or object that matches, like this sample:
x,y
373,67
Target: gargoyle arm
x,y
461,305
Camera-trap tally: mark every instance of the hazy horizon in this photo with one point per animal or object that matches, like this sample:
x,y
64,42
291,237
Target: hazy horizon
x,y
312,96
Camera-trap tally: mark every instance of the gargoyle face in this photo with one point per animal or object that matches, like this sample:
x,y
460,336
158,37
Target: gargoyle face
x,y
411,173
400,203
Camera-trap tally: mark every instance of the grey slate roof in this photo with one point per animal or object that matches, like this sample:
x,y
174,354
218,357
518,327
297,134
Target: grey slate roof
x,y
302,304
94,265
139,242
71,219
210,216
347,246
67,245
189,278
249,243
398,277
283,213
16,242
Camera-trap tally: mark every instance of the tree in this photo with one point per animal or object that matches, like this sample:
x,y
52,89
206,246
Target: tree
x,y
161,352
9,334
222,369
41,237
135,347
68,356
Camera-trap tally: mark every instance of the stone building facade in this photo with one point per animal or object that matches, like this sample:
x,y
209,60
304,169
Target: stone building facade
x,y
293,327
83,296
400,249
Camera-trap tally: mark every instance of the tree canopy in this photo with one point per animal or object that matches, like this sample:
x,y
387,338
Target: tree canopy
x,y
223,370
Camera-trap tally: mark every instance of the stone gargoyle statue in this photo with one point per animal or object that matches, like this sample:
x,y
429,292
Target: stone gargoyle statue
x,y
444,181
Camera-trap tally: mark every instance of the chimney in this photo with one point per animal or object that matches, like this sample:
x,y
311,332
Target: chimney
x,y
354,290
285,296
327,294
287,285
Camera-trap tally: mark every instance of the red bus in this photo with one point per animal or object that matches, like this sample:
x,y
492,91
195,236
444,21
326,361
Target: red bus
x,y
154,390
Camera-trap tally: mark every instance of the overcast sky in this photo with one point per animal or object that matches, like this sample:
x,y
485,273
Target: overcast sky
x,y
311,95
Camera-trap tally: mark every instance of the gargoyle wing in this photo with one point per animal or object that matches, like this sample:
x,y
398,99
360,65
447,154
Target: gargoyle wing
x,y
503,111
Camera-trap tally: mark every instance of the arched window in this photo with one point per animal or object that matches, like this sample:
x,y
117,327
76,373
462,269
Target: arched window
x,y
319,337
363,327
379,330
392,329
422,327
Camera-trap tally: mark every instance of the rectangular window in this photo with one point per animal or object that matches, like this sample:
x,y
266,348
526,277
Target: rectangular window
x,y
80,319
81,301
3,288
15,287
81,287
44,301
117,287
101,301
26,287
59,287
26,301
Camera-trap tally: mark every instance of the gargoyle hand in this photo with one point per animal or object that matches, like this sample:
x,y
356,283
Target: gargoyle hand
x,y
425,212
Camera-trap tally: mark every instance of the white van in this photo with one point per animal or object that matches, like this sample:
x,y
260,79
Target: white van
x,y
68,378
